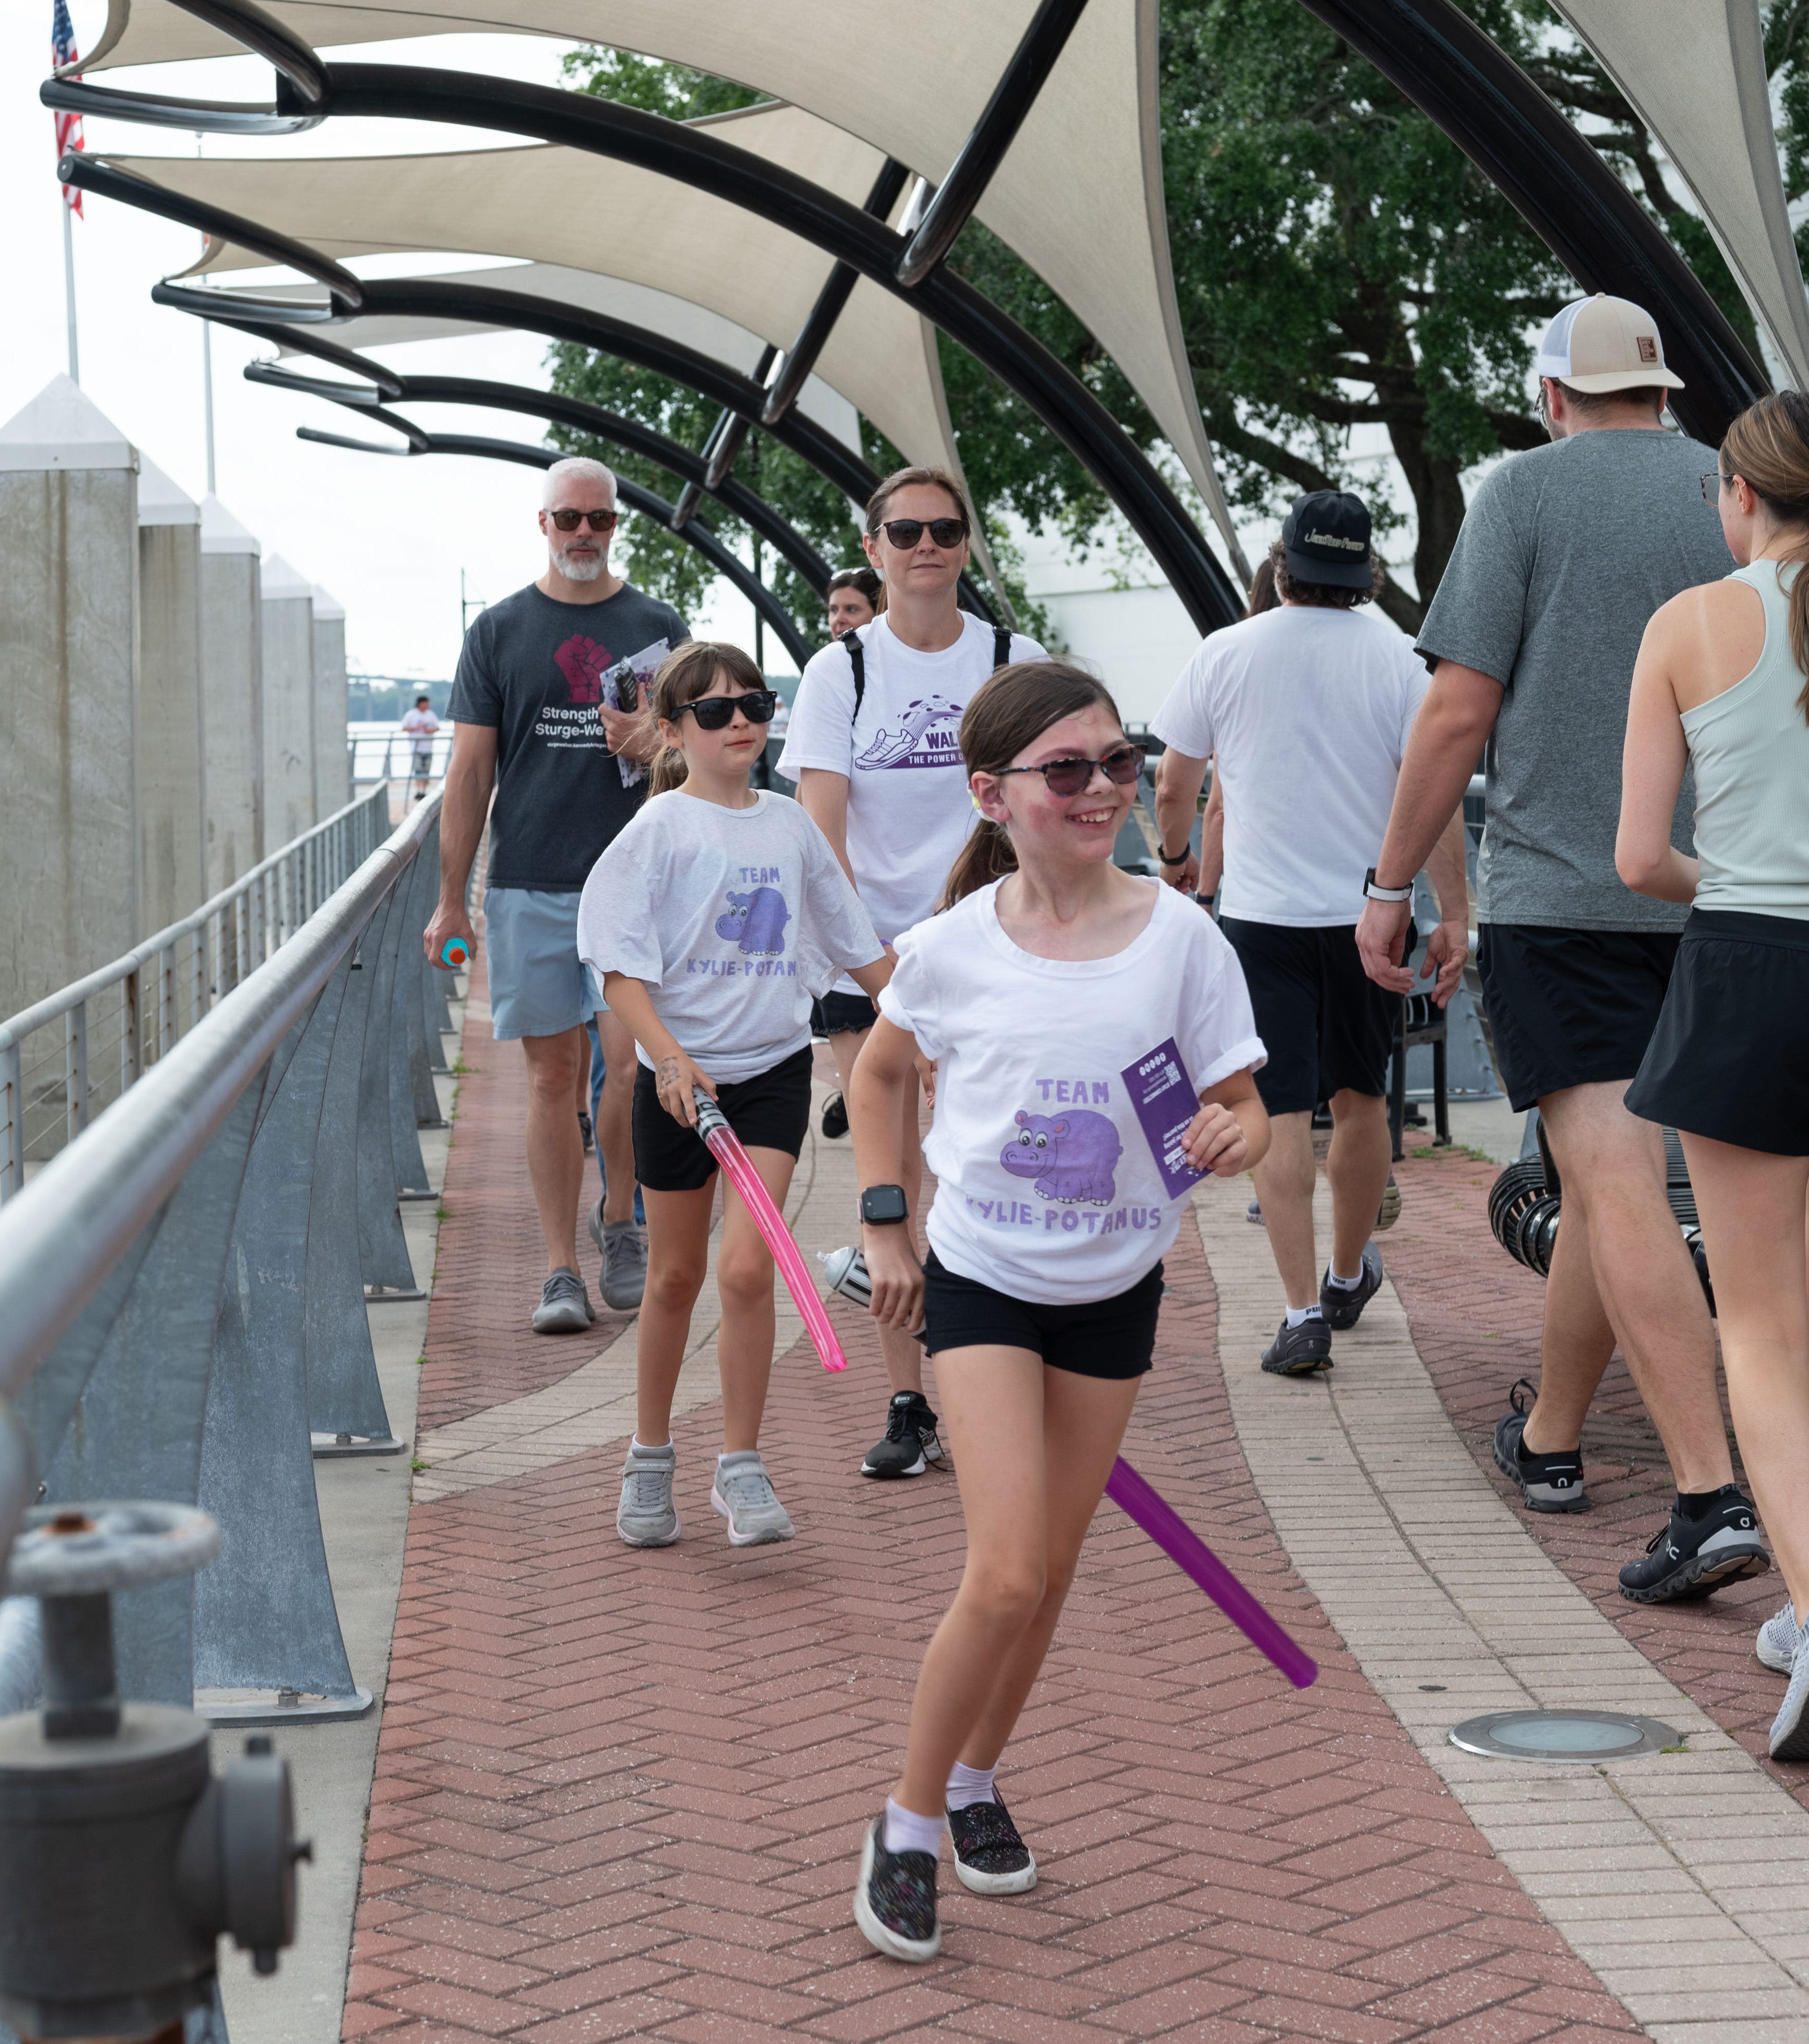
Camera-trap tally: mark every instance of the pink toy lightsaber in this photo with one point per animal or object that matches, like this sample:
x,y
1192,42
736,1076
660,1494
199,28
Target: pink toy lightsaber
x,y
1153,1512
725,1147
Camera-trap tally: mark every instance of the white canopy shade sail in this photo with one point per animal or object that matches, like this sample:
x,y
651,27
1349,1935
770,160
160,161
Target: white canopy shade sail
x,y
1695,71
1079,196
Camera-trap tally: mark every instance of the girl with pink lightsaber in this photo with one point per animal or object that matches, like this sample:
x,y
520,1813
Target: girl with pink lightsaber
x,y
1094,1050
712,920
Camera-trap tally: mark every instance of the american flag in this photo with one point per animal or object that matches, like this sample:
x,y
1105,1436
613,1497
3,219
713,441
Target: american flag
x,y
68,125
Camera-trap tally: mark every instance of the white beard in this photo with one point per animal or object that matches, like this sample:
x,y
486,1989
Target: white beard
x,y
577,570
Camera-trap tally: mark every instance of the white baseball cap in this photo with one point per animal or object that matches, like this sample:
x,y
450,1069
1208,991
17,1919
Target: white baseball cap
x,y
1603,343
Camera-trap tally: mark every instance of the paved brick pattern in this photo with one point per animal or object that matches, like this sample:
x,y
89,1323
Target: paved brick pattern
x,y
620,1794
1475,1316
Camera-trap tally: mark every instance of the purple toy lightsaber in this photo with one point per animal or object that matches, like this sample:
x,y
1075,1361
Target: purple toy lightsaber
x,y
1157,1518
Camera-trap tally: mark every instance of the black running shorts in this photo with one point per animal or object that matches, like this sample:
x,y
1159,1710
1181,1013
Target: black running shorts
x,y
1728,1058
1113,1338
1569,1008
1325,1024
771,1111
842,1015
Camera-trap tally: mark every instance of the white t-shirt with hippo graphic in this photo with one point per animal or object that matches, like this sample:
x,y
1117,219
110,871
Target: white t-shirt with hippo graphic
x,y
908,808
1062,1089
734,918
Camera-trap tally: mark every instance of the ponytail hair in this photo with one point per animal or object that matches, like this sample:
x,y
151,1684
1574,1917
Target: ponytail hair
x,y
1009,712
1768,448
684,676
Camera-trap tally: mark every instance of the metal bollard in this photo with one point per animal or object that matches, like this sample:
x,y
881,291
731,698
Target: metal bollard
x,y
123,1858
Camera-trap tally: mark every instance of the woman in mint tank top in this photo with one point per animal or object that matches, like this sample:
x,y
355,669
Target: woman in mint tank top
x,y
1723,685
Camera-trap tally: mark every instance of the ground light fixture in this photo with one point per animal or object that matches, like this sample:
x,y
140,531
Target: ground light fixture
x,y
1584,1735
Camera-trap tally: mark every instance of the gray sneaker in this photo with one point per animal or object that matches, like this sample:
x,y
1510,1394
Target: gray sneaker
x,y
1789,1729
564,1307
647,1517
743,1493
1778,1636
625,1266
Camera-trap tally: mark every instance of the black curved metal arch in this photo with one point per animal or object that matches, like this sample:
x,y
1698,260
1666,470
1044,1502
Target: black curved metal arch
x,y
700,158
677,460
1559,184
208,116
696,535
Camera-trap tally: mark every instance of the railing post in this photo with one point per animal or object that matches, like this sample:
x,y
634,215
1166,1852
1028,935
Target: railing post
x,y
412,968
131,1030
436,982
12,1122
166,1001
75,1070
406,1048
382,1247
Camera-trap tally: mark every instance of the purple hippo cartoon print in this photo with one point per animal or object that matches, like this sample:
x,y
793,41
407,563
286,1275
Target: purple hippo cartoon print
x,y
1071,1156
756,922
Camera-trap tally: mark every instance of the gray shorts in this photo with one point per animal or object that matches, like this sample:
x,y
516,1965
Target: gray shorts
x,y
538,986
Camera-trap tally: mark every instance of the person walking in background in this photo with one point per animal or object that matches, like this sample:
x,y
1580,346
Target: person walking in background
x,y
1564,556
874,746
709,919
1310,696
853,599
419,723
533,720
1721,687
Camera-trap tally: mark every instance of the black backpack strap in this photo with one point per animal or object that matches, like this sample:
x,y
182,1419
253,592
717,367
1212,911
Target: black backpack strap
x,y
857,659
1001,645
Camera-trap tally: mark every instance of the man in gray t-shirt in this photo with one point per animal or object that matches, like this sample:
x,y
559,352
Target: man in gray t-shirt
x,y
1532,636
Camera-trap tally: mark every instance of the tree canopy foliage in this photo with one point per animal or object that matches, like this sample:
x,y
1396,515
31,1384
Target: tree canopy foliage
x,y
1339,264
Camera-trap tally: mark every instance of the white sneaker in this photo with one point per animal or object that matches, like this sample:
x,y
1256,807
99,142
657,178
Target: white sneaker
x,y
647,1517
1778,1636
743,1493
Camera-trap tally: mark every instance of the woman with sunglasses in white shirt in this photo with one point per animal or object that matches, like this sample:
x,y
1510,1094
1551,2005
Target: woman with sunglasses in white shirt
x,y
874,746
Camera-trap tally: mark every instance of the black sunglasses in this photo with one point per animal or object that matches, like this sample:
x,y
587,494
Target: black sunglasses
x,y
569,521
905,532
715,712
1066,777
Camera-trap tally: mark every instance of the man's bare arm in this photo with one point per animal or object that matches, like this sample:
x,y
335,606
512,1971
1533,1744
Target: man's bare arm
x,y
1179,777
470,780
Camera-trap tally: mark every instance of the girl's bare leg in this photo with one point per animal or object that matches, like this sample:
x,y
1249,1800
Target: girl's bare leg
x,y
904,1358
677,1255
744,1281
1033,1448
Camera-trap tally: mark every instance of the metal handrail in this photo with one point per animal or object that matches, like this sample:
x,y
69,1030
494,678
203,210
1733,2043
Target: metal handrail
x,y
63,1235
231,935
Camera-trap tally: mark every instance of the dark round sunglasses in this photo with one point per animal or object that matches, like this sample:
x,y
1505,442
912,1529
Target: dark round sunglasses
x,y
569,521
1067,777
905,532
715,712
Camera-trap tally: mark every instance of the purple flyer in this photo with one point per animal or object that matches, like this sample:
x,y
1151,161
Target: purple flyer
x,y
1165,1102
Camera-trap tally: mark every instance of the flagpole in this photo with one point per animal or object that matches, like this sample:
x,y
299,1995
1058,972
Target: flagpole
x,y
69,288
207,364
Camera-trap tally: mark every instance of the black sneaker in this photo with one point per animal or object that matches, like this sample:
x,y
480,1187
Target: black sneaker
x,y
834,1116
1343,1309
990,1857
1692,1557
586,1131
1299,1351
1548,1483
895,1904
911,1444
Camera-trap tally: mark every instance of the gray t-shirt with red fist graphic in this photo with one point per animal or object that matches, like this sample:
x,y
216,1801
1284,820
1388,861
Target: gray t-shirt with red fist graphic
x,y
533,668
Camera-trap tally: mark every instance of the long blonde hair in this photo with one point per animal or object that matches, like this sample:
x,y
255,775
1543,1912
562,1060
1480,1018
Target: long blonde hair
x,y
1768,448
1011,710
683,677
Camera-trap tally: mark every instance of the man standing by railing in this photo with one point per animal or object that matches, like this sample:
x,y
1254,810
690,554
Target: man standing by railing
x,y
530,720
420,723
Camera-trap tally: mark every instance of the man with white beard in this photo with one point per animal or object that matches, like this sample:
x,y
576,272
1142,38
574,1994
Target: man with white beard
x,y
534,720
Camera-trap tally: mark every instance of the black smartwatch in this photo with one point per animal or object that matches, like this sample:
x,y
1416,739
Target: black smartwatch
x,y
1162,857
883,1206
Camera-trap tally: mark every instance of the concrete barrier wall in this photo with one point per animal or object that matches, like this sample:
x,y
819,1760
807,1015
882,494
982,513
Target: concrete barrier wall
x,y
232,681
69,686
288,633
333,764
171,743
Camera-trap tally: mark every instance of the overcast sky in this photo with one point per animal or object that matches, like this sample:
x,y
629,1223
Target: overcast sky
x,y
389,538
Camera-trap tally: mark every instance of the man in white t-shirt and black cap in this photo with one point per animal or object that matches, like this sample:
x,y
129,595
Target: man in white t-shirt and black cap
x,y
1308,707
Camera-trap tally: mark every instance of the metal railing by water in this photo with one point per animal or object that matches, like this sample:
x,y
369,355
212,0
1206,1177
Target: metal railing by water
x,y
390,755
70,1056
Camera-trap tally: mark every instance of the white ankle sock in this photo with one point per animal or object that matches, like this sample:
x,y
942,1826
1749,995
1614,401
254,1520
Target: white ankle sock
x,y
639,1446
1297,1315
1344,1284
971,1784
905,1831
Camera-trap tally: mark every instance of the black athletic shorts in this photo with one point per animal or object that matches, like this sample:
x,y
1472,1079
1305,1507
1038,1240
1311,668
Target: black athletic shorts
x,y
840,1014
771,1111
1115,1337
1325,1024
1570,1008
1730,1057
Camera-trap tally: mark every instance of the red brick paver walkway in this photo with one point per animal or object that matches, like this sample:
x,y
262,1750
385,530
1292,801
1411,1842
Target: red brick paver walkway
x,y
620,1794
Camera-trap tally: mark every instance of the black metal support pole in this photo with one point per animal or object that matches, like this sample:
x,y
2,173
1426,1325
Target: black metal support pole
x,y
819,322
723,444
1553,177
200,117
266,37
993,134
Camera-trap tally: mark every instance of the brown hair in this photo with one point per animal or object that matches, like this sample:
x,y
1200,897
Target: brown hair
x,y
1316,595
1599,404
1263,595
1007,712
683,677
1768,448
866,580
905,479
